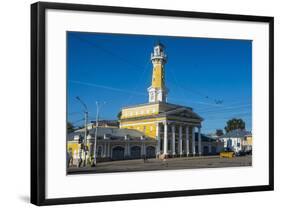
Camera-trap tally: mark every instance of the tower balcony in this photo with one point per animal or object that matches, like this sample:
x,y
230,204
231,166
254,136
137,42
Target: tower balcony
x,y
160,56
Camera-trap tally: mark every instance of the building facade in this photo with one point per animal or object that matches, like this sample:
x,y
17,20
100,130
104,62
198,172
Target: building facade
x,y
172,126
123,144
112,144
237,140
155,129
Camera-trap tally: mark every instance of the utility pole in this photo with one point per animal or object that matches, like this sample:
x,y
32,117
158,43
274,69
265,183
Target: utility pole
x,y
96,134
86,130
85,137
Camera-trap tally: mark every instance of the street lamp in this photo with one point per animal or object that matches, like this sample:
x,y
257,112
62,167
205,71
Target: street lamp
x,y
94,163
85,135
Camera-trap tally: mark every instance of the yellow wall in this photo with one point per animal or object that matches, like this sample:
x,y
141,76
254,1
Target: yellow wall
x,y
140,111
249,140
158,76
73,145
148,129
146,126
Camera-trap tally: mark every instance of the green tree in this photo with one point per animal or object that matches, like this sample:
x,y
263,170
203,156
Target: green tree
x,y
234,124
70,127
219,132
119,115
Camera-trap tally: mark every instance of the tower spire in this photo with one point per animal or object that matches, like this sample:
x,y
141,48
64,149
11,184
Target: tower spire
x,y
158,91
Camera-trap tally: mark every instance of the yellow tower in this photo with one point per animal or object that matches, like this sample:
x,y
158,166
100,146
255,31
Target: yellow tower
x,y
150,118
158,91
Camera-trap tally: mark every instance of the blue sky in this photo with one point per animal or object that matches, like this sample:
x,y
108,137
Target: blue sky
x,y
116,69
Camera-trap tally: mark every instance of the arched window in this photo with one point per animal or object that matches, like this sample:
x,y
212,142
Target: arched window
x,y
150,152
118,153
135,152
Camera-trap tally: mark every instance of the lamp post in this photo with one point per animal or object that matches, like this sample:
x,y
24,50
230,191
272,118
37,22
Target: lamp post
x,y
86,131
94,163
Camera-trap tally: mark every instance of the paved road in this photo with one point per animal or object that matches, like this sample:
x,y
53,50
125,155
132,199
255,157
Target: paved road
x,y
169,164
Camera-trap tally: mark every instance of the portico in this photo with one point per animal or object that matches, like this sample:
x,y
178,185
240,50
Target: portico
x,y
174,139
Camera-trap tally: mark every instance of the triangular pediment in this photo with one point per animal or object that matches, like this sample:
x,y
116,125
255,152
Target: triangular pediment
x,y
182,113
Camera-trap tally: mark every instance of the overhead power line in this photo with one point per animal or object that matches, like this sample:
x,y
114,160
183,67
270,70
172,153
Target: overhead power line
x,y
118,56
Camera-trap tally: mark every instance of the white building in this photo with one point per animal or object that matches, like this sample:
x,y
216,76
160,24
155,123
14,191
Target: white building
x,y
235,140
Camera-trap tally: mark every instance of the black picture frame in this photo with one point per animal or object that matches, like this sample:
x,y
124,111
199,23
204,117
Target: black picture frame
x,y
38,106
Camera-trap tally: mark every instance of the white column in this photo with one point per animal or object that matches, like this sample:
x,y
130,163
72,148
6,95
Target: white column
x,y
108,149
104,150
142,146
129,149
173,140
193,141
180,140
187,140
158,139
199,141
126,148
165,151
210,147
143,149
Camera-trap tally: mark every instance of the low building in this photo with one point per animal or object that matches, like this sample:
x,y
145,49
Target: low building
x,y
104,123
112,144
210,146
237,140
247,143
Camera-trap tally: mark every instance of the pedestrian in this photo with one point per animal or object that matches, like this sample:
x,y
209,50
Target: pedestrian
x,y
67,159
70,160
144,158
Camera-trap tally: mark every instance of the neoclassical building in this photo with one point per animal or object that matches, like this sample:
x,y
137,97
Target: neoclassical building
x,y
172,126
154,129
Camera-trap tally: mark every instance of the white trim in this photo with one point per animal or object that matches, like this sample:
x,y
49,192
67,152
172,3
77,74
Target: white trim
x,y
161,121
150,122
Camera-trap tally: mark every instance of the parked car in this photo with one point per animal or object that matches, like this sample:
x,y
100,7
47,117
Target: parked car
x,y
227,153
241,153
249,152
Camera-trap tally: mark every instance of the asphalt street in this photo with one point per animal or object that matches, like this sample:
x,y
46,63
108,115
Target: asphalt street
x,y
169,164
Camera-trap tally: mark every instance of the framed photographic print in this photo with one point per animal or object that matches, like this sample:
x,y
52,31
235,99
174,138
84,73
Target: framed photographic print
x,y
134,103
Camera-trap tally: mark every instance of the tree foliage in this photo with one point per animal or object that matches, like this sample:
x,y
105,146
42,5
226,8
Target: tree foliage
x,y
70,127
219,132
119,115
234,124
